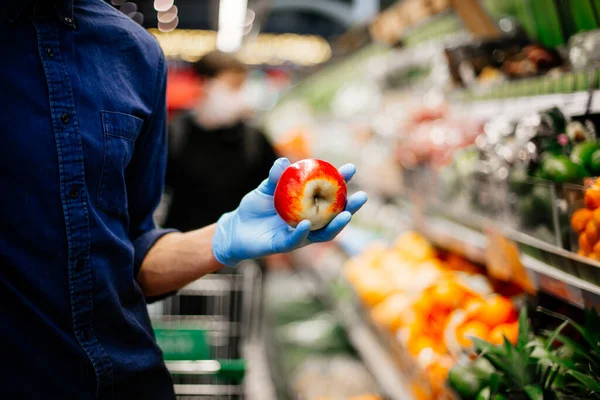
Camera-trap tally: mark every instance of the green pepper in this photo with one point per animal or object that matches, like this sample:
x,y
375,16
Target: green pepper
x,y
594,165
582,153
560,168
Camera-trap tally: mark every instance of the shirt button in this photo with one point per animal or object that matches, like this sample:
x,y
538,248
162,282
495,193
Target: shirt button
x,y
50,52
68,20
64,118
74,193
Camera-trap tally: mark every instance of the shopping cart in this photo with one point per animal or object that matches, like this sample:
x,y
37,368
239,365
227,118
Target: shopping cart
x,y
202,331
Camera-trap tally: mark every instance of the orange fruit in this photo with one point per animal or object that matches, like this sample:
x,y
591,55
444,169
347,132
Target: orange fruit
x,y
421,391
580,218
416,327
365,397
390,313
510,331
417,344
592,197
448,294
591,230
472,307
424,304
582,253
584,243
471,329
596,216
436,322
596,248
437,372
414,247
496,310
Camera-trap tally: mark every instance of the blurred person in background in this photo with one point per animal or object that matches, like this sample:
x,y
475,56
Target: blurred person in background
x,y
82,166
215,156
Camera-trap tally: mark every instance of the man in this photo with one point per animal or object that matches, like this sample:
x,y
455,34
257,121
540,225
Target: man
x,y
214,136
82,162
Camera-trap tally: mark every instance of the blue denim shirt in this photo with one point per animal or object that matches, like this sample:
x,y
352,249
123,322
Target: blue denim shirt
x,y
82,162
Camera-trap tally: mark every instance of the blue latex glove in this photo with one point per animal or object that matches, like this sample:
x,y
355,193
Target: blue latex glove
x,y
256,230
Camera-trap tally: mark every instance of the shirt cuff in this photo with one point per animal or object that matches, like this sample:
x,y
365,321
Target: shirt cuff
x,y
143,244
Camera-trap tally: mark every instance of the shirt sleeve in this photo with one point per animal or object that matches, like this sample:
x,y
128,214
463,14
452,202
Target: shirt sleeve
x,y
146,173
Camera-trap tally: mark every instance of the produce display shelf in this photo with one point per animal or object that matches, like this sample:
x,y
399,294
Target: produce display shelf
x,y
472,244
572,104
377,352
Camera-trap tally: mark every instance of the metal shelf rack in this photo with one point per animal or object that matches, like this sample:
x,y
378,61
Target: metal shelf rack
x,y
377,350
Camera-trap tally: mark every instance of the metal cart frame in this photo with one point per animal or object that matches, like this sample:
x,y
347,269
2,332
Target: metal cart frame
x,y
227,307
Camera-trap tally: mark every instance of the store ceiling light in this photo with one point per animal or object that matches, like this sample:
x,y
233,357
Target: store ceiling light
x,y
250,17
167,16
137,17
117,2
169,26
232,15
265,48
249,22
128,8
163,5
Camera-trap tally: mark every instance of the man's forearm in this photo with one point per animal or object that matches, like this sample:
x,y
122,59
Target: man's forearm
x,y
176,260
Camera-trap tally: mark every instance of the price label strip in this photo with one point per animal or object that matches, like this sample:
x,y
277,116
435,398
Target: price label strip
x,y
503,261
562,290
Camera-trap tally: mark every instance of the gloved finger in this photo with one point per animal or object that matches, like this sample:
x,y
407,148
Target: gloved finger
x,y
288,241
356,201
268,185
347,171
332,229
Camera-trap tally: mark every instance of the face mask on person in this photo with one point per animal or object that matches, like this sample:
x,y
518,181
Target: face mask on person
x,y
221,107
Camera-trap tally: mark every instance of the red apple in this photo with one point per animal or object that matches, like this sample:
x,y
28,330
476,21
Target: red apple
x,y
310,189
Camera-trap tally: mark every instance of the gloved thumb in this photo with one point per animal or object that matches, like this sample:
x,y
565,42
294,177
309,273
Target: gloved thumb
x,y
268,185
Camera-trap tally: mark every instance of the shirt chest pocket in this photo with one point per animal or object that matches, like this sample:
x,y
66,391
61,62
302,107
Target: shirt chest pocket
x,y
120,132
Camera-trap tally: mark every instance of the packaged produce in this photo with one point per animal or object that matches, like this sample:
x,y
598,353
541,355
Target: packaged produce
x,y
492,61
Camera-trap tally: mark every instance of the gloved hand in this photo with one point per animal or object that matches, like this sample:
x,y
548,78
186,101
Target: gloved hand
x,y
256,230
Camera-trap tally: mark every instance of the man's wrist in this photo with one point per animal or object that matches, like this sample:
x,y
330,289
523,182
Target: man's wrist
x,y
222,239
178,259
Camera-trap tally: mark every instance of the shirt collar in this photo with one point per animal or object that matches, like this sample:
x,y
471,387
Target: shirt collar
x,y
12,9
